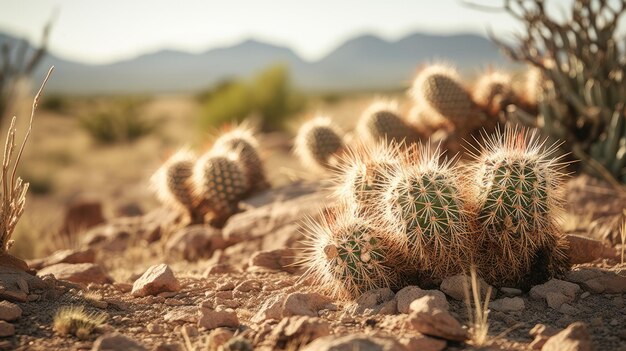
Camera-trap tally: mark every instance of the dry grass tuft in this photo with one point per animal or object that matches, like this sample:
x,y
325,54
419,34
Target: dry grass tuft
x,y
13,196
74,320
479,314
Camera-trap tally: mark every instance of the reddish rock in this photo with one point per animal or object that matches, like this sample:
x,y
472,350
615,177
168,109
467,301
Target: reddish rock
x,y
6,329
573,338
155,280
305,304
429,319
411,293
81,216
116,342
83,273
195,242
583,249
211,319
9,311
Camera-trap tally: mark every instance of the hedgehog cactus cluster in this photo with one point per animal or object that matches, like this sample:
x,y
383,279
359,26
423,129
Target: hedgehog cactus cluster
x,y
444,111
209,188
433,217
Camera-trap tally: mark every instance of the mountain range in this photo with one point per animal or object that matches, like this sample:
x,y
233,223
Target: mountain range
x,y
364,62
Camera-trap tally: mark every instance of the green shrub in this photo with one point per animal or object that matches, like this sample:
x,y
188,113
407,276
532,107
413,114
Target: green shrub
x,y
55,103
268,95
120,123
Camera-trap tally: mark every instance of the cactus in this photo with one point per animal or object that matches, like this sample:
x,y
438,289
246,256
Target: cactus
x,y
243,143
173,184
438,89
346,256
220,182
584,66
423,204
382,121
427,123
318,142
493,92
362,174
517,203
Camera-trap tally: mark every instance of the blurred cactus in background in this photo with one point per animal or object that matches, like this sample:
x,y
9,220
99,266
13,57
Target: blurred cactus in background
x,y
583,94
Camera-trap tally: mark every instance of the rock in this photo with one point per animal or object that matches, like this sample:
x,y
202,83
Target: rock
x,y
81,216
155,280
423,343
182,314
541,333
268,218
305,304
86,255
454,286
12,262
412,292
83,273
211,319
510,292
296,331
353,342
280,259
507,304
116,342
195,242
555,292
377,301
170,347
218,337
583,249
573,338
599,280
9,311
6,329
131,209
428,319
270,309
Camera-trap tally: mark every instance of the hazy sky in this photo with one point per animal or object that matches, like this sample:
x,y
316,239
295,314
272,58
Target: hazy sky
x,y
99,31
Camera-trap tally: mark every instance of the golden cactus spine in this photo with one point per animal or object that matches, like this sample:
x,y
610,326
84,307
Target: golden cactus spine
x,y
242,142
518,200
346,256
173,183
424,209
220,182
318,143
381,121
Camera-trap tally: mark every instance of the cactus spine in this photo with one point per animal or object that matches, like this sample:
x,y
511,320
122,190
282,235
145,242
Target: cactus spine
x,y
318,142
518,202
382,121
173,183
439,88
242,142
346,256
423,202
362,176
220,182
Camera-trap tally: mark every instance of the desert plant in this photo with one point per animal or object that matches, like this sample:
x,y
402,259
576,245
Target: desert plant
x,y
382,121
74,320
479,315
583,61
173,183
361,176
424,208
346,256
318,143
439,89
13,195
243,143
220,183
425,122
18,61
269,95
119,123
493,92
518,200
